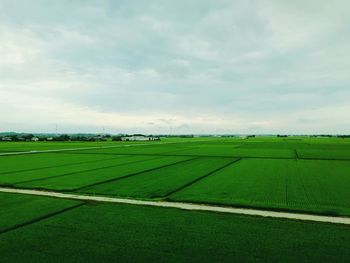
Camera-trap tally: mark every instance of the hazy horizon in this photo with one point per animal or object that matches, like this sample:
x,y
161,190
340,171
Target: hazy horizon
x,y
175,67
179,134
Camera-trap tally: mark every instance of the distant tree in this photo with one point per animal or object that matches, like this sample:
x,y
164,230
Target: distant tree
x,y
63,137
116,138
343,136
14,137
185,136
28,137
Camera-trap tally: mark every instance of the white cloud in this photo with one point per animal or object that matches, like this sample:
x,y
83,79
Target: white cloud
x,y
223,66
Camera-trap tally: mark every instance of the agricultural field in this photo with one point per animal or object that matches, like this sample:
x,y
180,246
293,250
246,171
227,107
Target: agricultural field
x,y
161,182
18,210
55,230
300,185
295,174
44,146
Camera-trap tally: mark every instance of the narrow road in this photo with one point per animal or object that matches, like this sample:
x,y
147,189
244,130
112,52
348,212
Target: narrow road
x,y
187,206
85,148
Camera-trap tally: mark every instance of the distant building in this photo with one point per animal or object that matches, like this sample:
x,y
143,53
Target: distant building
x,y
35,139
139,138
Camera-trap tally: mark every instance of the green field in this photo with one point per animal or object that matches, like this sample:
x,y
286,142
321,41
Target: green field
x,y
298,174
295,174
161,182
44,232
17,210
311,186
40,146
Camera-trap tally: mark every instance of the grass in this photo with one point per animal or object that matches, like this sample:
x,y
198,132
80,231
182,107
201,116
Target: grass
x,y
92,177
16,210
313,186
196,149
123,233
40,146
150,149
336,154
19,163
71,169
295,173
161,182
239,152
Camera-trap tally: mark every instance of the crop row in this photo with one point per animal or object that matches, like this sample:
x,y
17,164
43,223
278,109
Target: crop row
x,y
277,151
120,168
106,232
313,186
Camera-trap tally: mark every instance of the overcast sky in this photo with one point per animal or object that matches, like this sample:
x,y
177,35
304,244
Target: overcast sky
x,y
177,66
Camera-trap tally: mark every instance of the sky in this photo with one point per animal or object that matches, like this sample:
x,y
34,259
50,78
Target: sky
x,y
176,66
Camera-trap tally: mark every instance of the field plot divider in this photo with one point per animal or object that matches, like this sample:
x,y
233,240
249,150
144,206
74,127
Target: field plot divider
x,y
38,219
134,174
86,170
60,165
169,154
88,148
180,205
296,153
60,150
199,178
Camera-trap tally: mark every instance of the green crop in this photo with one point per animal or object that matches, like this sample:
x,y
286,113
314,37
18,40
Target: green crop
x,y
123,233
161,182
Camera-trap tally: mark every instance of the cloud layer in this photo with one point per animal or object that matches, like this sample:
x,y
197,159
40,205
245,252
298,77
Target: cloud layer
x,y
175,66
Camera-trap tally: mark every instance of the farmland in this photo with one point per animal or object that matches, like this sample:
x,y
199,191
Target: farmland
x,y
312,186
299,174
104,232
295,174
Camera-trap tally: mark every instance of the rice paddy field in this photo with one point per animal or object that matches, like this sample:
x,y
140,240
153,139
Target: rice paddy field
x,y
294,174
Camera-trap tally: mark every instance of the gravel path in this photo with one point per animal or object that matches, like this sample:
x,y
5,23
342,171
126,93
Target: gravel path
x,y
84,148
187,206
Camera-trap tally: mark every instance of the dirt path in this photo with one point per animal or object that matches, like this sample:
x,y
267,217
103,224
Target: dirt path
x,y
84,148
187,206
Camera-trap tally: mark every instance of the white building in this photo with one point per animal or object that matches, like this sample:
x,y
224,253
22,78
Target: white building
x,y
139,138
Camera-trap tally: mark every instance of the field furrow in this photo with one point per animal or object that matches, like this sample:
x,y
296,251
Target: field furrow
x,y
89,178
160,182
